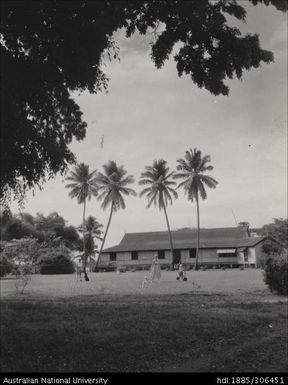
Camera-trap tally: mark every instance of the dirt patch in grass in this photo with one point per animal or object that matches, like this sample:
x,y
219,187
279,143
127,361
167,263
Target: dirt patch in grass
x,y
143,333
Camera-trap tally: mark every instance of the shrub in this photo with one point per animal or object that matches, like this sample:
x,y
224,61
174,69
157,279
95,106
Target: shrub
x,y
5,266
59,263
276,273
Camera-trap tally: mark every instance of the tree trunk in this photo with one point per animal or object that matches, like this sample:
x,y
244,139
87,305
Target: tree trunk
x,y
104,238
84,248
198,234
170,237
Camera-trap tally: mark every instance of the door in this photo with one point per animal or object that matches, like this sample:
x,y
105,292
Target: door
x,y
177,257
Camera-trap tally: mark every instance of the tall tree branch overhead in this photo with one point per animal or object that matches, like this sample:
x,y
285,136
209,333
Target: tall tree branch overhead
x,y
51,48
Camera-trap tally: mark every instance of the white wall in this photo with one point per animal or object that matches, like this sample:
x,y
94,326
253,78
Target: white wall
x,y
105,258
145,257
251,256
205,256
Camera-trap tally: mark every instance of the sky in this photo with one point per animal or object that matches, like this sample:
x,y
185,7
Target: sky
x,y
149,114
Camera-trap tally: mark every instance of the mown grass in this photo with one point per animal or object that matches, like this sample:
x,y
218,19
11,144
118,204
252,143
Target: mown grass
x,y
131,333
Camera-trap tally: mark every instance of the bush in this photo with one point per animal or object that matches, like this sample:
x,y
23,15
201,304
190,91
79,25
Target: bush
x,y
59,263
276,274
5,266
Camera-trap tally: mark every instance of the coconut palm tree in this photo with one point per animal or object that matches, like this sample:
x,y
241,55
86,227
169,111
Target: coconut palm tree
x,y
92,230
192,169
93,227
112,186
83,187
159,191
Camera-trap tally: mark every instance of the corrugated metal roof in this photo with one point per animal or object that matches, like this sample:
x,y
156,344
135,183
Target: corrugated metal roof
x,y
186,239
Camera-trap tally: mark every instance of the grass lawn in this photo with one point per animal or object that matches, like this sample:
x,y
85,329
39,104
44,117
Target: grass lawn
x,y
216,321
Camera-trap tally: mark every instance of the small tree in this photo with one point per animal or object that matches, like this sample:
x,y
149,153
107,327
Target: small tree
x,y
23,254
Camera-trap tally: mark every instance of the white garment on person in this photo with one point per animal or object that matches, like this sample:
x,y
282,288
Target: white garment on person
x,y
78,264
155,270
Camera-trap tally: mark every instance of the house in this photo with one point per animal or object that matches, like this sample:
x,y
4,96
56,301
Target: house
x,y
218,246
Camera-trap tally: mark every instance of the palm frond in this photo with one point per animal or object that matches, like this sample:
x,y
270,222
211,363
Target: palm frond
x,y
183,165
107,200
208,180
128,191
71,185
184,183
168,197
173,192
152,200
127,180
144,192
181,175
121,202
202,190
145,181
102,195
206,168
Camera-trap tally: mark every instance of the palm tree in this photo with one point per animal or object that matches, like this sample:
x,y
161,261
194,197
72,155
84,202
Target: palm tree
x,y
192,169
92,230
112,186
93,227
159,191
83,186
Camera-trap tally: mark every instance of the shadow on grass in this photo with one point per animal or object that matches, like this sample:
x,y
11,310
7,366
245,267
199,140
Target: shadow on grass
x,y
140,333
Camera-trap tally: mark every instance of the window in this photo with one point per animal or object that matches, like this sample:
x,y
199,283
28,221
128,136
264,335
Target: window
x,y
192,253
161,254
113,256
246,259
226,255
134,255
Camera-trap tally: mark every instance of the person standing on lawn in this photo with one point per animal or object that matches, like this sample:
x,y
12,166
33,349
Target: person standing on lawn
x,y
181,274
78,268
155,272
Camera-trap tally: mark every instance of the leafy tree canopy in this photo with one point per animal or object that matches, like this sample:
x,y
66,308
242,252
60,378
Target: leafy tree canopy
x,y
39,227
50,48
277,230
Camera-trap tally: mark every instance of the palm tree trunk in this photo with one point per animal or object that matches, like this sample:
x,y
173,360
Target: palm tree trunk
x,y
104,238
84,248
198,234
170,237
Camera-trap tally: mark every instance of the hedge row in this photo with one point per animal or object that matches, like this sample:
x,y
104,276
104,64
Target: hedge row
x,y
56,264
276,274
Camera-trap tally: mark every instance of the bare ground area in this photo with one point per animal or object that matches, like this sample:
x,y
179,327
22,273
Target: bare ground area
x,y
216,321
